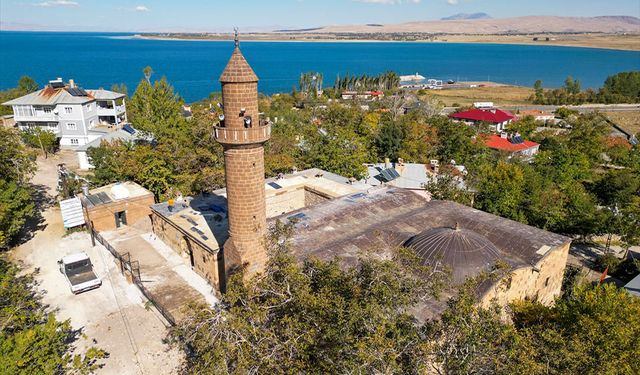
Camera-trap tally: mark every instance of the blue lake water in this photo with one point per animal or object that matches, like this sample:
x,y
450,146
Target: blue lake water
x,y
99,60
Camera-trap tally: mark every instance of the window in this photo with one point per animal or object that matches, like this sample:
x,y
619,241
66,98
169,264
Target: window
x,y
47,110
72,126
52,125
546,282
31,124
68,109
23,110
74,141
88,107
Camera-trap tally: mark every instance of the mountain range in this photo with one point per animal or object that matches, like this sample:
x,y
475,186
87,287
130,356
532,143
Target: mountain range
x,y
467,16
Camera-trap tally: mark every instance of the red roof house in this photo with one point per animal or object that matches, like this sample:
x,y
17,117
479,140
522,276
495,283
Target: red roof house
x,y
512,144
496,117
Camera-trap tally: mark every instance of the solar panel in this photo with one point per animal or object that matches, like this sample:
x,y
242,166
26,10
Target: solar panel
x,y
76,91
104,197
129,129
216,208
298,216
358,195
394,173
274,185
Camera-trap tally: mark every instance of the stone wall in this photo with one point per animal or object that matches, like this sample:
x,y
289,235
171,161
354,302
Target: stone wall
x,y
207,262
312,197
103,216
542,282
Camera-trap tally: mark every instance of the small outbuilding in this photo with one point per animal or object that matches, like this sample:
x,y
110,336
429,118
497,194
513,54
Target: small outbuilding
x,y
112,206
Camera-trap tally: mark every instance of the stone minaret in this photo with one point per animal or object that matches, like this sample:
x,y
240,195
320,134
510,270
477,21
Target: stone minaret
x,y
243,135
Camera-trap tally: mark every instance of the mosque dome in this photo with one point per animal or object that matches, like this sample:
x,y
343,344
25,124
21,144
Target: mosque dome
x,y
464,251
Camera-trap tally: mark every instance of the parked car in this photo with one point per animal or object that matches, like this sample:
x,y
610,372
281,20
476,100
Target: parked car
x,y
79,272
451,82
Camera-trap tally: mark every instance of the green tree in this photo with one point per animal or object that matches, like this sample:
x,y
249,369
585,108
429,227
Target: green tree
x,y
594,331
40,138
27,85
501,191
314,317
389,140
157,109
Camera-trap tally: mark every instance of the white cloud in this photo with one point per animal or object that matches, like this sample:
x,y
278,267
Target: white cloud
x,y
58,3
142,8
452,2
390,2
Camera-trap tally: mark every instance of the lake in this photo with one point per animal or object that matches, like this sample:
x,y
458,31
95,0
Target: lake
x,y
193,67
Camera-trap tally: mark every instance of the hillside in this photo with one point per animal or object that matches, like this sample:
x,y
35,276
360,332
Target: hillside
x,y
516,25
467,16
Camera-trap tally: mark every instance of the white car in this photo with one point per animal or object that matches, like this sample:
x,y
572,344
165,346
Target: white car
x,y
79,272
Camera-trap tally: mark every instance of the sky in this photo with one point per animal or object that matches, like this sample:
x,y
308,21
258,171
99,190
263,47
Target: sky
x,y
264,15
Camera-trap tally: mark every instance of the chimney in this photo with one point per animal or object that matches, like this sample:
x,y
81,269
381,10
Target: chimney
x,y
85,189
72,83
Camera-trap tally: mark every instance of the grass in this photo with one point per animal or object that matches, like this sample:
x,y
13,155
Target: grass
x,y
499,95
629,121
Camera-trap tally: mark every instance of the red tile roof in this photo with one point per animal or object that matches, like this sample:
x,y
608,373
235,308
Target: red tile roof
x,y
494,116
496,142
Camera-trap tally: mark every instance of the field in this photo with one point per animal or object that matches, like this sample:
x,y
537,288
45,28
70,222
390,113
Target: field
x,y
609,41
630,121
499,95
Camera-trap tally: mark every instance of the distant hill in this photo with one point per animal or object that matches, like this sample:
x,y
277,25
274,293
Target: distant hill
x,y
516,25
467,16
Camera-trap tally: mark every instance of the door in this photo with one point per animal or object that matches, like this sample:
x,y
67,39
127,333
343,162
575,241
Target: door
x,y
121,218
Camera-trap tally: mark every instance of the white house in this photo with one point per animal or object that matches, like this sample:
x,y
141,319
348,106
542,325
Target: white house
x,y
70,112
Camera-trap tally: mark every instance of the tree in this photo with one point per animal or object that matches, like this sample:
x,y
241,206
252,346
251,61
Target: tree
x,y
594,331
120,88
501,191
157,110
27,85
32,341
313,317
148,72
16,207
538,92
40,138
389,140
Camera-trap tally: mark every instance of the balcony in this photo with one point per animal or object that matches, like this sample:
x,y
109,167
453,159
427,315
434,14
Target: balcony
x,y
242,136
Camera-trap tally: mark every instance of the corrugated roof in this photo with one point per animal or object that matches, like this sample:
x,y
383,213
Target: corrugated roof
x,y
101,94
493,115
496,142
50,96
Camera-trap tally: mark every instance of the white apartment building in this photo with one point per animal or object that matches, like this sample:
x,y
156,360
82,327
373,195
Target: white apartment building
x,y
70,112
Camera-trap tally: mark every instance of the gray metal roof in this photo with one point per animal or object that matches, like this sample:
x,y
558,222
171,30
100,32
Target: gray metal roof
x,y
50,96
102,94
633,287
110,137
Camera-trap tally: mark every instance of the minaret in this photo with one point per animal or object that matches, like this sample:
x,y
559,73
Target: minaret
x,y
243,135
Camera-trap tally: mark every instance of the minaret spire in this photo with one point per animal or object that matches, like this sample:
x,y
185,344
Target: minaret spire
x,y
236,39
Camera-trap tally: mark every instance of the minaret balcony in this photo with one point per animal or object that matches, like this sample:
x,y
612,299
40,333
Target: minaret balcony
x,y
242,136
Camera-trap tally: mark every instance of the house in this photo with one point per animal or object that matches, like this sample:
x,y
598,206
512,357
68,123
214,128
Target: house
x,y
537,115
515,145
367,95
69,111
109,207
126,134
497,119
412,176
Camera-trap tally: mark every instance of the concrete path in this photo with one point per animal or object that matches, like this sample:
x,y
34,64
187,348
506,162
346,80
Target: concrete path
x,y
172,283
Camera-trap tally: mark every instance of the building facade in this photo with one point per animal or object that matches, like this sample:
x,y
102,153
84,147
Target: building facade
x,y
69,111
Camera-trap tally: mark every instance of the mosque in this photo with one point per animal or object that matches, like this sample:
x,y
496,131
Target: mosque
x,y
334,217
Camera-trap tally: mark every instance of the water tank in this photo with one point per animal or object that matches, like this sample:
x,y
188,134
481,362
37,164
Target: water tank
x,y
119,192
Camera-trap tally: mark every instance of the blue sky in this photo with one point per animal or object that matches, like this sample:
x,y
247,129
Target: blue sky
x,y
218,15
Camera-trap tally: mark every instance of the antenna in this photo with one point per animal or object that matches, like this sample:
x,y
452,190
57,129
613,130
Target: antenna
x,y
235,39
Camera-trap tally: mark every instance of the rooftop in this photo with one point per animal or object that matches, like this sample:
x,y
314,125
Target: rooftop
x,y
491,115
109,136
205,215
113,193
238,70
59,93
383,218
633,286
514,144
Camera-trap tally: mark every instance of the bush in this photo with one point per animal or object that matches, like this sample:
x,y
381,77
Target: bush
x,y
607,260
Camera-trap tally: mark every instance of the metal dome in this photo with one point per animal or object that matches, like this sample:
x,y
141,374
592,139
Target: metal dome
x,y
464,251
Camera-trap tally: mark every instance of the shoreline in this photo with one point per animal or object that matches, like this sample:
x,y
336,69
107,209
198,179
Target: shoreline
x,y
555,43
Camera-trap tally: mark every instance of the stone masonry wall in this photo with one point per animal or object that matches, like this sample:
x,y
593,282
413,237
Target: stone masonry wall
x,y
206,262
236,96
544,285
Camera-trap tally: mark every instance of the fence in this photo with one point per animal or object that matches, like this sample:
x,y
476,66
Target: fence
x,y
133,269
